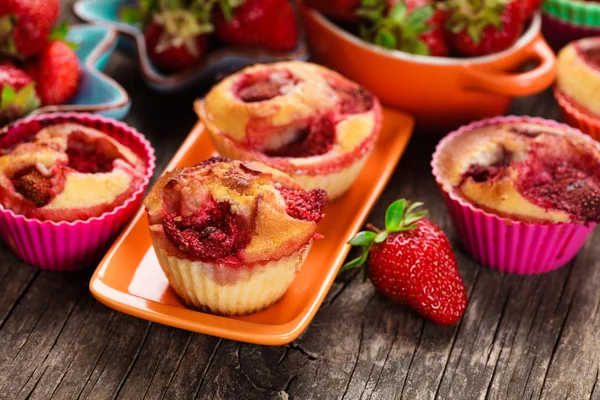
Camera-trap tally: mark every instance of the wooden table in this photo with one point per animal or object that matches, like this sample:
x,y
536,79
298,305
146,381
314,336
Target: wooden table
x,y
521,337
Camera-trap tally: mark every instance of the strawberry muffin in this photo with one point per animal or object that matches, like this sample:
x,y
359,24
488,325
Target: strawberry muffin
x,y
578,84
232,235
68,183
68,172
524,193
300,118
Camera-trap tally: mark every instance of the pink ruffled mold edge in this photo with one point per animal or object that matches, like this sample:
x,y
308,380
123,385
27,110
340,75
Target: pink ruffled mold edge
x,y
504,244
68,246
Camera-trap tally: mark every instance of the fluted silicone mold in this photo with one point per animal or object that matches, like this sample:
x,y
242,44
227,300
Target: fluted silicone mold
x,y
505,244
67,246
576,118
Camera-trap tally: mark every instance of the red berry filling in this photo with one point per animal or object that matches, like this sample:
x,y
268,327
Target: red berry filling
x,y
482,173
315,140
591,56
354,100
88,157
36,187
559,176
213,234
303,204
265,85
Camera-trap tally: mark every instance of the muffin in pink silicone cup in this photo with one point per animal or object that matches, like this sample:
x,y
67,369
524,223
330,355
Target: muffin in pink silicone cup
x,y
68,183
523,193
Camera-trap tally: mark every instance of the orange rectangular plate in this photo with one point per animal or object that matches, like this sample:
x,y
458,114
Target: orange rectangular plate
x,y
129,278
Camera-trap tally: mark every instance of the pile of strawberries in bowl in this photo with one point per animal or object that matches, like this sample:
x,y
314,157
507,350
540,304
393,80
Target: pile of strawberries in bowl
x,y
178,34
456,28
37,66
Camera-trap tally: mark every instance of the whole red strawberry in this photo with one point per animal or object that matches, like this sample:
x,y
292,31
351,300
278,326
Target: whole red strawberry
x,y
57,73
176,37
480,27
17,93
269,24
530,7
341,10
25,25
412,263
413,26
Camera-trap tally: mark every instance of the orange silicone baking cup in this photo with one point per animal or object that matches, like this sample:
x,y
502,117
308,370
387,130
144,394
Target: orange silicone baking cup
x,y
577,118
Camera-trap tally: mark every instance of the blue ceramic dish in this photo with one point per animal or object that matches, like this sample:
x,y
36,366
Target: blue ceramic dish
x,y
97,92
222,60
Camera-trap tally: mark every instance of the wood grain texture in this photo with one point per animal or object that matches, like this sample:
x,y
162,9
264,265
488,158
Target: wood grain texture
x,y
533,337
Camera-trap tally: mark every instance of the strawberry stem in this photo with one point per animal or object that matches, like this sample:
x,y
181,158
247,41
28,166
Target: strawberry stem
x,y
372,227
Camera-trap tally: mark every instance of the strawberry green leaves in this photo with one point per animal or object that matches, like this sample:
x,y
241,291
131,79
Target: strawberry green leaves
x,y
399,29
15,104
401,216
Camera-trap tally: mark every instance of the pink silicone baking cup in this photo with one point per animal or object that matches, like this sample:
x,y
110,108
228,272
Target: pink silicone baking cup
x,y
68,246
576,118
504,244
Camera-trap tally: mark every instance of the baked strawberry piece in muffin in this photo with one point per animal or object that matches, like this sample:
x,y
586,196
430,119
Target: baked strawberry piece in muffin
x,y
303,119
231,235
67,172
527,172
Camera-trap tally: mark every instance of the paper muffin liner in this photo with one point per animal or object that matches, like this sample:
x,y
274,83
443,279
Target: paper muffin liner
x,y
559,32
505,244
224,290
68,246
576,118
335,183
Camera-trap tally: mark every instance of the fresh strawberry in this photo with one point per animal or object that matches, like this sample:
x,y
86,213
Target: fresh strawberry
x,y
17,93
479,27
176,37
413,26
269,24
57,73
340,10
25,25
531,6
412,263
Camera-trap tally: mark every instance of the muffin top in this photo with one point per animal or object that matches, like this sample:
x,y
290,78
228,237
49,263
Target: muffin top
x,y
67,172
578,74
292,111
234,212
528,172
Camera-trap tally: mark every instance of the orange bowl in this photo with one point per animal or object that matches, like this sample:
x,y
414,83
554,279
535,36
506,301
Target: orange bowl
x,y
440,92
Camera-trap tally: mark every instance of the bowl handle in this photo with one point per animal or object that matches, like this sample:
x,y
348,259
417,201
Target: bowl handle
x,y
505,83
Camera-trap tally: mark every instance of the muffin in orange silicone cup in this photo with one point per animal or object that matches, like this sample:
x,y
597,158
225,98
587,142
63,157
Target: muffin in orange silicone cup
x,y
232,235
300,118
578,85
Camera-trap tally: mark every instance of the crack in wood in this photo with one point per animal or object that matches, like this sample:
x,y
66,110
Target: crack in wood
x,y
187,343
595,384
529,376
497,327
283,356
208,364
18,299
135,358
345,285
112,331
387,356
360,344
556,345
412,357
311,355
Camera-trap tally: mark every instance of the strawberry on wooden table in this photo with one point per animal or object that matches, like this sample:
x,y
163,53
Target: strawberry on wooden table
x,y
480,27
17,93
411,262
268,24
413,26
25,25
